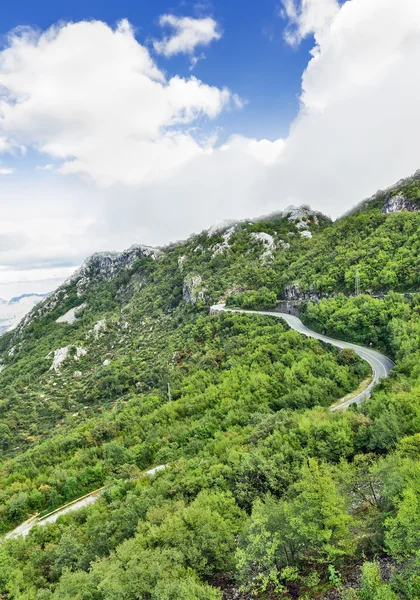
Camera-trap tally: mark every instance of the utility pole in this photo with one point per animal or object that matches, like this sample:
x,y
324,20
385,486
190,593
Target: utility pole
x,y
357,283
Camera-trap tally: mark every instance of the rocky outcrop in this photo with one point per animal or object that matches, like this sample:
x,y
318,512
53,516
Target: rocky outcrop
x,y
106,265
292,293
268,242
62,354
398,203
98,329
382,197
218,227
71,315
181,260
223,246
193,290
306,234
303,217
102,266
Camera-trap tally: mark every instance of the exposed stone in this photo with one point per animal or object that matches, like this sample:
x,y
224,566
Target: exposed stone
x,y
292,293
303,217
181,260
265,238
194,289
265,256
106,362
300,213
221,226
62,354
98,328
106,265
222,246
268,242
398,203
71,315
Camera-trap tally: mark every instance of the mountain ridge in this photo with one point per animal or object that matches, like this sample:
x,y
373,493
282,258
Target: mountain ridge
x,y
123,369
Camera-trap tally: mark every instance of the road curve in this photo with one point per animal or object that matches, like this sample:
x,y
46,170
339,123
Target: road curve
x,y
381,365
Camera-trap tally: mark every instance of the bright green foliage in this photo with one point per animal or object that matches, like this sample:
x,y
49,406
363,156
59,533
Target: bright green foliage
x,y
372,586
265,487
255,300
310,528
403,531
318,517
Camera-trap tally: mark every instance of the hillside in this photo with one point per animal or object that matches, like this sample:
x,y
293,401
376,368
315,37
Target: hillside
x,y
267,493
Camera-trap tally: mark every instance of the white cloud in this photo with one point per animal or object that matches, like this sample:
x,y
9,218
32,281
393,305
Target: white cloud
x,y
264,151
93,98
117,120
188,34
6,171
307,17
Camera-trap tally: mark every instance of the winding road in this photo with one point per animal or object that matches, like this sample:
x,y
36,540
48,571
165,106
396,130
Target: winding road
x,y
381,365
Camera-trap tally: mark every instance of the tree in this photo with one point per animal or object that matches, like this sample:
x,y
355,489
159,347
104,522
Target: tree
x,y
403,531
318,517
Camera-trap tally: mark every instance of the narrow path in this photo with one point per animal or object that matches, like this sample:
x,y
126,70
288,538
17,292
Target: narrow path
x,y
24,528
381,365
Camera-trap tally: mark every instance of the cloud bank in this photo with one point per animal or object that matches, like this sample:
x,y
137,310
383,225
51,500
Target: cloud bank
x,y
132,151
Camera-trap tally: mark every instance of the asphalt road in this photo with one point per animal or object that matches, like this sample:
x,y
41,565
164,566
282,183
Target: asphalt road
x,y
381,365
24,528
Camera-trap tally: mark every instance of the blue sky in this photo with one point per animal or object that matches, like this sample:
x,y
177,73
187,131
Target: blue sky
x,y
142,122
251,58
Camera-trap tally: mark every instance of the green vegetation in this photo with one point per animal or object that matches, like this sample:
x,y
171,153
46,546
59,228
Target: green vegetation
x,y
254,300
266,490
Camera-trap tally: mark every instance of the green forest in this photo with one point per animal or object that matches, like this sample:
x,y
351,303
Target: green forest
x,y
265,493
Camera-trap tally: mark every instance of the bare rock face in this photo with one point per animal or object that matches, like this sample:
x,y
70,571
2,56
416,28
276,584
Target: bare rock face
x,y
194,290
292,293
62,354
398,203
102,266
223,246
106,265
71,315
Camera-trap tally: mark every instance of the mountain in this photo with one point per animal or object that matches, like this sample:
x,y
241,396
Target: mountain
x,y
13,311
261,490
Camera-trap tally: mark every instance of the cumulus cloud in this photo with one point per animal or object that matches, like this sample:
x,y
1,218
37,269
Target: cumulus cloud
x,y
6,171
116,120
188,34
93,98
307,17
